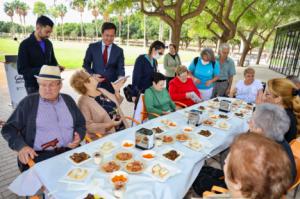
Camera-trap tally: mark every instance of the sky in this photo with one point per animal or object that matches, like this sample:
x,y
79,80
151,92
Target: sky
x,y
71,16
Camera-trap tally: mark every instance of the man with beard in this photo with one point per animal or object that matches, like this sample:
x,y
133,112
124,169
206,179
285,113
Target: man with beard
x,y
36,51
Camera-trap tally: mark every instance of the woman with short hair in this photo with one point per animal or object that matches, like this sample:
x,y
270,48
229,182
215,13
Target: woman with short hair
x,y
171,62
100,108
157,98
205,72
183,89
249,88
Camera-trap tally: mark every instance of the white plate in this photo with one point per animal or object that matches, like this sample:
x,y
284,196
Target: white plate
x,y
67,179
202,136
110,150
172,171
80,163
99,192
218,127
187,127
181,154
193,148
129,142
163,128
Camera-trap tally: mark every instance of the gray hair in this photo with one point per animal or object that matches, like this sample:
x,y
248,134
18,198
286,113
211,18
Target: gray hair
x,y
224,46
208,52
272,119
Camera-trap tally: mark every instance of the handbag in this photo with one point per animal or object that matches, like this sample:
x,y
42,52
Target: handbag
x,y
128,91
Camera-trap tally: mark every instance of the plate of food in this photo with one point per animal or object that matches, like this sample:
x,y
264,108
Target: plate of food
x,y
172,124
172,155
110,166
165,121
187,129
158,130
214,116
119,179
107,147
96,194
123,156
135,167
208,122
161,171
182,137
240,115
79,158
148,155
127,144
194,144
78,175
201,108
205,133
222,125
167,139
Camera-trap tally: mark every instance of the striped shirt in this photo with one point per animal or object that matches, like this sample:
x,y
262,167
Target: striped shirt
x,y
53,121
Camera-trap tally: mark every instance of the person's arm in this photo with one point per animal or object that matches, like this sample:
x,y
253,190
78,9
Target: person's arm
x,y
23,59
149,103
232,72
121,69
172,104
216,73
233,92
175,93
136,76
80,126
179,59
168,68
87,61
191,73
195,89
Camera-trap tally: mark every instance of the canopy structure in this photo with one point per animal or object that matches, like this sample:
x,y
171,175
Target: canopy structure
x,y
286,50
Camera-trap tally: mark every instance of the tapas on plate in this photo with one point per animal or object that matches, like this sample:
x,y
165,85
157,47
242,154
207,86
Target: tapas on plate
x,y
161,171
166,139
214,116
135,167
148,155
201,108
194,145
188,129
240,115
110,166
127,144
172,124
182,137
93,196
123,156
79,158
107,147
119,179
205,133
223,116
78,174
223,125
172,155
208,122
158,130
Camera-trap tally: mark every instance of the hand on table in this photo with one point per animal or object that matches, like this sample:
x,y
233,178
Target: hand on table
x,y
76,141
25,153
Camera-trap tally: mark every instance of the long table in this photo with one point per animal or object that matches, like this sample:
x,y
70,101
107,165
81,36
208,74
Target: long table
x,y
50,172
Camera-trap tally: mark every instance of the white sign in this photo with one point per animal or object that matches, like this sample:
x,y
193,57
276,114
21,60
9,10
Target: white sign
x,y
15,83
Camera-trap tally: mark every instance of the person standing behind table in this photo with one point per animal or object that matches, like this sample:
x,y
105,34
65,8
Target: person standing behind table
x,y
104,59
227,71
36,51
171,62
144,68
205,72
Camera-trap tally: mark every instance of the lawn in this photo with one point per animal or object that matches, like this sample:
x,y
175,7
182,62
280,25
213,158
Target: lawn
x,y
71,54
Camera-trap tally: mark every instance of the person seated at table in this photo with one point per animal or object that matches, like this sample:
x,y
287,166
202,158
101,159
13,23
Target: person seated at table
x,y
249,88
256,168
46,123
100,108
272,121
284,93
157,98
183,89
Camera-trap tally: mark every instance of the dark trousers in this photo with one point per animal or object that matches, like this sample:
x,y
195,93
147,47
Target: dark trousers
x,y
168,79
32,89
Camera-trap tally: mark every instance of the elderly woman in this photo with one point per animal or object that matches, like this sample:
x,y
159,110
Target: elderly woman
x,y
272,121
157,98
284,93
256,168
249,88
171,62
144,67
205,72
183,89
100,108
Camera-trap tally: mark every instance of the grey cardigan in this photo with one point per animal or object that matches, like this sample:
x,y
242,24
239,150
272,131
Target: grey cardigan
x,y
20,128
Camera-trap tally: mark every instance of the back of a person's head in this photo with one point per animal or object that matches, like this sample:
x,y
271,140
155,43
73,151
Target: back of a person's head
x,y
260,166
44,21
158,77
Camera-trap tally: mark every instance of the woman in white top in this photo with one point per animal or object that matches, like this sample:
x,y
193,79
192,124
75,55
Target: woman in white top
x,y
249,88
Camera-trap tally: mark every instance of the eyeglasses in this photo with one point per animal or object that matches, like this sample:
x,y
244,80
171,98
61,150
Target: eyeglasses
x,y
160,53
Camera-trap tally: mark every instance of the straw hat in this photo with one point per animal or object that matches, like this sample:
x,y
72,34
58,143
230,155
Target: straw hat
x,y
49,73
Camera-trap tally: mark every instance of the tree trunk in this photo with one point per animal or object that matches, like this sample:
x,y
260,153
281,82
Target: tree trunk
x,y
244,54
176,29
120,32
128,30
170,35
261,48
199,43
161,31
96,28
81,26
24,25
145,33
13,26
62,29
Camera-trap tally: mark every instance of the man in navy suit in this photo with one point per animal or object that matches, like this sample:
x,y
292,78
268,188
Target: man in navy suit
x,y
104,59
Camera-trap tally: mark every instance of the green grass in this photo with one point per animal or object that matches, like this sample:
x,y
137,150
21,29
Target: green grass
x,y
71,54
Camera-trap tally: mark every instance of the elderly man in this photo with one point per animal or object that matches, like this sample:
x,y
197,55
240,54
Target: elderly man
x,y
272,121
227,71
44,124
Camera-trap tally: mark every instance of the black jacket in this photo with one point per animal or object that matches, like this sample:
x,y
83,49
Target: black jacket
x,y
20,128
292,132
31,58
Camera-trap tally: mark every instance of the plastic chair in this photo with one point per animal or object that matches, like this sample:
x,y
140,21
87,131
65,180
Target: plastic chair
x,y
295,146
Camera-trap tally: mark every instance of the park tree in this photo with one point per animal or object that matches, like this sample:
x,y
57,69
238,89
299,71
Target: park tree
x,y
62,10
24,11
174,13
21,9
79,5
96,6
39,8
9,9
54,13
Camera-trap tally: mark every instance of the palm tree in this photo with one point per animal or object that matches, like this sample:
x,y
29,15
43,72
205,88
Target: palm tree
x,y
9,9
54,13
62,10
94,6
24,11
79,5
18,10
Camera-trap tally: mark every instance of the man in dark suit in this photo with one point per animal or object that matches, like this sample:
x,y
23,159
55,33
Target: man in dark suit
x,y
105,59
36,51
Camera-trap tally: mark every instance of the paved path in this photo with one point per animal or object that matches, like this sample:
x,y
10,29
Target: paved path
x,y
8,165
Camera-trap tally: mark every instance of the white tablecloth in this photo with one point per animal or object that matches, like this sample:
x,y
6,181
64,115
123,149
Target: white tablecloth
x,y
50,172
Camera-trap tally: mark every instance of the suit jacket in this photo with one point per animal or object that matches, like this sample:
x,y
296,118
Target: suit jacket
x,y
31,58
94,64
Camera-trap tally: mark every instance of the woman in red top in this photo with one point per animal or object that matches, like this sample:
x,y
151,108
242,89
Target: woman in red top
x,y
183,89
